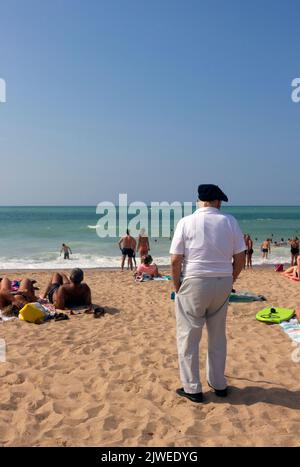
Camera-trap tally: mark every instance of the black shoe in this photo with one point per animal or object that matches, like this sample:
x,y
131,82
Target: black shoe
x,y
219,392
99,311
193,397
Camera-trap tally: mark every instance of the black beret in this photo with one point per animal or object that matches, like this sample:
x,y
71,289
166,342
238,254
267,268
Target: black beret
x,y
211,193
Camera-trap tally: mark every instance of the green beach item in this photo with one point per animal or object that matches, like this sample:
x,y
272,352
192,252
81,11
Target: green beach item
x,y
240,297
274,315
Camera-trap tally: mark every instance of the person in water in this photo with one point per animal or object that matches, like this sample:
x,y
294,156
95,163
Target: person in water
x,y
67,292
147,267
14,301
127,245
266,248
143,244
66,250
294,244
249,251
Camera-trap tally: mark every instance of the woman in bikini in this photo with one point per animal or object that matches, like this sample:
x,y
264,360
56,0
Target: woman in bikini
x,y
143,244
13,301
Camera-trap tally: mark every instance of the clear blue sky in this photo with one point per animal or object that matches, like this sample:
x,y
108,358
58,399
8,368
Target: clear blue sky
x,y
150,98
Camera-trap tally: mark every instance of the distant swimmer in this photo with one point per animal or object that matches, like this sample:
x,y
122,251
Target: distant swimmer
x,y
143,243
266,248
294,243
280,243
127,245
66,250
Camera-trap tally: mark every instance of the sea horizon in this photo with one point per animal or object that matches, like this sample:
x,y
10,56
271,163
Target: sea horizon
x,y
148,204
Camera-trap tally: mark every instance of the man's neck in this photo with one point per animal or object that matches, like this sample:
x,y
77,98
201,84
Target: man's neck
x,y
207,205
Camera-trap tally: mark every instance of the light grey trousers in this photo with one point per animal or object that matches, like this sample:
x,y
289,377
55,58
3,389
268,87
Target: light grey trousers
x,y
202,300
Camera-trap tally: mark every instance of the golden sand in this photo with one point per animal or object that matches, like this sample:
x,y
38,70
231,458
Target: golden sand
x,y
111,381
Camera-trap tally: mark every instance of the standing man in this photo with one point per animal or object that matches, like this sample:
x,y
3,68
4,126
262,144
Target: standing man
x,y
127,245
66,250
266,248
207,254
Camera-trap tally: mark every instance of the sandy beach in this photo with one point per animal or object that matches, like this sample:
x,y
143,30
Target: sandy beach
x,y
111,381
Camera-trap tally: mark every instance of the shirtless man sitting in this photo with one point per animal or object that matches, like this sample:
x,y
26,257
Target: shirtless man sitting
x,y
16,300
67,292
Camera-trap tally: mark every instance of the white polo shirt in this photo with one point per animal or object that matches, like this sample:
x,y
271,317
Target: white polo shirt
x,y
208,239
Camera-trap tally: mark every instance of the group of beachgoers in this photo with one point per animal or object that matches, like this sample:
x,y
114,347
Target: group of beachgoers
x,y
129,246
63,291
265,248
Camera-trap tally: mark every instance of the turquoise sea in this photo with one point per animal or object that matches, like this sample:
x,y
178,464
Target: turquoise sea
x,y
31,237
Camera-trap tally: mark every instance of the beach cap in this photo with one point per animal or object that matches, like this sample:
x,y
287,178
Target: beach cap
x,y
76,275
211,193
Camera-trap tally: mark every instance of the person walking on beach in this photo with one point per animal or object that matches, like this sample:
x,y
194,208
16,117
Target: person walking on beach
x,y
249,251
66,250
127,246
294,244
207,256
143,244
266,248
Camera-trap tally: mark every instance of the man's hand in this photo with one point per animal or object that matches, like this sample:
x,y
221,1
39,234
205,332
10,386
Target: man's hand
x,y
238,264
176,263
297,313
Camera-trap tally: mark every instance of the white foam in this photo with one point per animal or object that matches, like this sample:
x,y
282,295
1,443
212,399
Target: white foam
x,y
82,261
88,261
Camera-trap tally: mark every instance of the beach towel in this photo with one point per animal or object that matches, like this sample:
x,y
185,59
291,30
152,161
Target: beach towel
x,y
6,318
163,278
292,329
143,277
147,277
246,297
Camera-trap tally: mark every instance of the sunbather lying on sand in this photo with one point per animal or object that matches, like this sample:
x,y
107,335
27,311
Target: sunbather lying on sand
x,y
16,300
67,292
293,272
